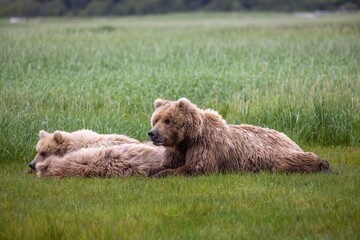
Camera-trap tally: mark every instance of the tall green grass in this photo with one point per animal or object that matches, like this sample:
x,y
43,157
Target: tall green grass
x,y
297,76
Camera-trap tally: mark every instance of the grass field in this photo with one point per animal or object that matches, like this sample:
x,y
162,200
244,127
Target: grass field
x,y
299,76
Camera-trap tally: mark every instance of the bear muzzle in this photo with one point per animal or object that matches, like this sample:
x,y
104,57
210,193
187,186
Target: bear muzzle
x,y
32,165
155,137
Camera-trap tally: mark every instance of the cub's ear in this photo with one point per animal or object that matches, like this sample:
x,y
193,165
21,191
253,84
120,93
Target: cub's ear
x,y
58,137
43,133
160,102
183,103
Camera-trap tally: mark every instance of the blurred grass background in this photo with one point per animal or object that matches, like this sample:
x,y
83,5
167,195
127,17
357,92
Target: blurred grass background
x,y
300,76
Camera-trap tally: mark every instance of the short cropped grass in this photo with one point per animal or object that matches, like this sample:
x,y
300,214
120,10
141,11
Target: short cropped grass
x,y
234,206
299,76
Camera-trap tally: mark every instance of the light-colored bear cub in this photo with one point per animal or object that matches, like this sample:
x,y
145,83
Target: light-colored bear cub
x,y
60,142
119,160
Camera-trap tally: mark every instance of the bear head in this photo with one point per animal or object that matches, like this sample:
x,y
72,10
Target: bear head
x,y
49,144
175,122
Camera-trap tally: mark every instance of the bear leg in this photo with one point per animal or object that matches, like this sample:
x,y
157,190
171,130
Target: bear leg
x,y
186,170
155,170
306,162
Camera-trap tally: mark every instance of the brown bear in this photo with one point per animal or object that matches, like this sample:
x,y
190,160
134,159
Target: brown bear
x,y
122,160
61,142
200,142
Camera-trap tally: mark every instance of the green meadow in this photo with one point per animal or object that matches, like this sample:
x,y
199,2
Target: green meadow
x,y
296,75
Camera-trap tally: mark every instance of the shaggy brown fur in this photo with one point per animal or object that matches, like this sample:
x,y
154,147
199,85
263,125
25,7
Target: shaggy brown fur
x,y
60,143
199,142
121,160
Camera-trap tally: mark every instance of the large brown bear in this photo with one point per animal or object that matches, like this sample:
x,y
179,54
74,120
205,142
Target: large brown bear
x,y
200,142
121,160
61,142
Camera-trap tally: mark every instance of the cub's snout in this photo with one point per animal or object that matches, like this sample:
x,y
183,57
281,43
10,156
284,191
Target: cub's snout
x,y
32,165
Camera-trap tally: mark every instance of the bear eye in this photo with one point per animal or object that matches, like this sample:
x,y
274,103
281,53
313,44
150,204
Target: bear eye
x,y
43,154
156,120
167,121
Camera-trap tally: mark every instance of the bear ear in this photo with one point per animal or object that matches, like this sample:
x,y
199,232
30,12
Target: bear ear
x,y
58,137
160,102
183,103
43,133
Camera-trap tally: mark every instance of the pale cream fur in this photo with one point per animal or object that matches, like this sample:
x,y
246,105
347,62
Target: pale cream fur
x,y
60,142
121,160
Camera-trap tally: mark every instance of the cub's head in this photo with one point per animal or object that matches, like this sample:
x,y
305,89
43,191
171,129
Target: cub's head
x,y
174,122
49,144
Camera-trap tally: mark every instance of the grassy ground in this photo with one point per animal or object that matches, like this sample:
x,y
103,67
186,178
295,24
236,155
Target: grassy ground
x,y
299,76
236,206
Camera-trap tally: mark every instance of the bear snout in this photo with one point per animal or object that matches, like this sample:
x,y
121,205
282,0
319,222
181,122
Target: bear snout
x,y
152,135
156,138
32,165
